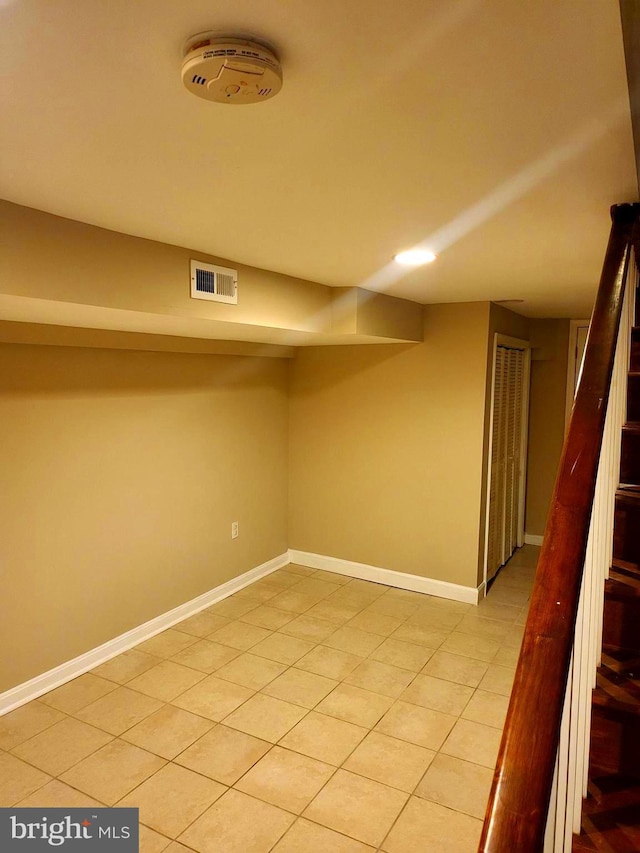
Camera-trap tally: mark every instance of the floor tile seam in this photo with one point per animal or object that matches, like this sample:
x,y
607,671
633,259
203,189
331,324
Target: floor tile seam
x,y
378,692
368,630
186,767
225,718
82,707
450,807
173,762
318,595
382,848
178,837
287,613
417,642
256,652
35,790
291,702
323,826
137,785
439,752
298,752
229,646
132,726
406,740
161,834
333,767
478,634
178,695
468,760
206,672
175,707
361,725
353,837
408,617
321,596
69,785
262,600
404,669
192,637
430,708
481,660
244,701
111,735
301,612
330,648
218,673
145,750
159,657
42,731
11,753
402,740
95,751
182,831
200,672
57,775
75,787
437,678
259,759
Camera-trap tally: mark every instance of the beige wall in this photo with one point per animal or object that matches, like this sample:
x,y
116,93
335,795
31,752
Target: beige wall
x,y
121,475
386,448
58,271
74,336
549,354
123,468
49,257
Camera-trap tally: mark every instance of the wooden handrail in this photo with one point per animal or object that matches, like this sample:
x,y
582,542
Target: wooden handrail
x,y
519,800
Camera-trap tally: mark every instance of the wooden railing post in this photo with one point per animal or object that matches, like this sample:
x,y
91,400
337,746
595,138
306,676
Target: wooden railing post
x,y
516,814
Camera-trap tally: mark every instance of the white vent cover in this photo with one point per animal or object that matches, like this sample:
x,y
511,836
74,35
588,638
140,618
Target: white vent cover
x,y
215,284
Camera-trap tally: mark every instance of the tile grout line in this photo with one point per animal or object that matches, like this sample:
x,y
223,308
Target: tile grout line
x,y
363,607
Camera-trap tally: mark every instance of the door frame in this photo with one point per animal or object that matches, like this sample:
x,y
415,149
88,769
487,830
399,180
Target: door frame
x,y
513,343
572,366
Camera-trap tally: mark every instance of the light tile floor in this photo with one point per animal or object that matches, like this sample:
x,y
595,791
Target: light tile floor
x,y
307,713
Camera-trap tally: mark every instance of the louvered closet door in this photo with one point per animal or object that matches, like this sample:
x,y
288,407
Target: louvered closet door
x,y
514,423
496,492
506,463
517,464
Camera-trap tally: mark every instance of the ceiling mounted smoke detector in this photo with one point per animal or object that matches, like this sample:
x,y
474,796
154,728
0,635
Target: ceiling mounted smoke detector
x,y
230,70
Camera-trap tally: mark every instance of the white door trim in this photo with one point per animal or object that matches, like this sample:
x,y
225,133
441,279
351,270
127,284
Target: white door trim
x,y
572,366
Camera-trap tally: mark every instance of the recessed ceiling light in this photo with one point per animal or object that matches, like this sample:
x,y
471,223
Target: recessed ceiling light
x,y
414,257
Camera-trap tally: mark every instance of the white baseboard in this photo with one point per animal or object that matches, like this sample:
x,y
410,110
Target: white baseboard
x,y
532,539
402,580
35,687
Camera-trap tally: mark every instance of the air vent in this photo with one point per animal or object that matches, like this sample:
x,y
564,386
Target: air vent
x,y
215,284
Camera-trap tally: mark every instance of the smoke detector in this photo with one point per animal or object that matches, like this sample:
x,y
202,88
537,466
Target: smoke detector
x,y
230,70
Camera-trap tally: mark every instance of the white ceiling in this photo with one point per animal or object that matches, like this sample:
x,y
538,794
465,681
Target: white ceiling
x,y
496,132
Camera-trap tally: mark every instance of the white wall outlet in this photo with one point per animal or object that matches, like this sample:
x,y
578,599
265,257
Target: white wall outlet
x,y
234,529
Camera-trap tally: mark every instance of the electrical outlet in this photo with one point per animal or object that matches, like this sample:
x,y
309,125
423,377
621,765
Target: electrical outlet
x,y
234,529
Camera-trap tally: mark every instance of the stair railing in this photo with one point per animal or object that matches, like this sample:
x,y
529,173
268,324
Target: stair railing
x,y
541,770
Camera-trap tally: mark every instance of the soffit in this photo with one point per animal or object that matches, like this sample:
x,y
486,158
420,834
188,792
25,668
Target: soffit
x,y
499,132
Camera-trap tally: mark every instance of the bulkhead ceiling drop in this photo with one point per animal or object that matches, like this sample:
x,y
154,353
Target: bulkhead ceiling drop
x,y
230,70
